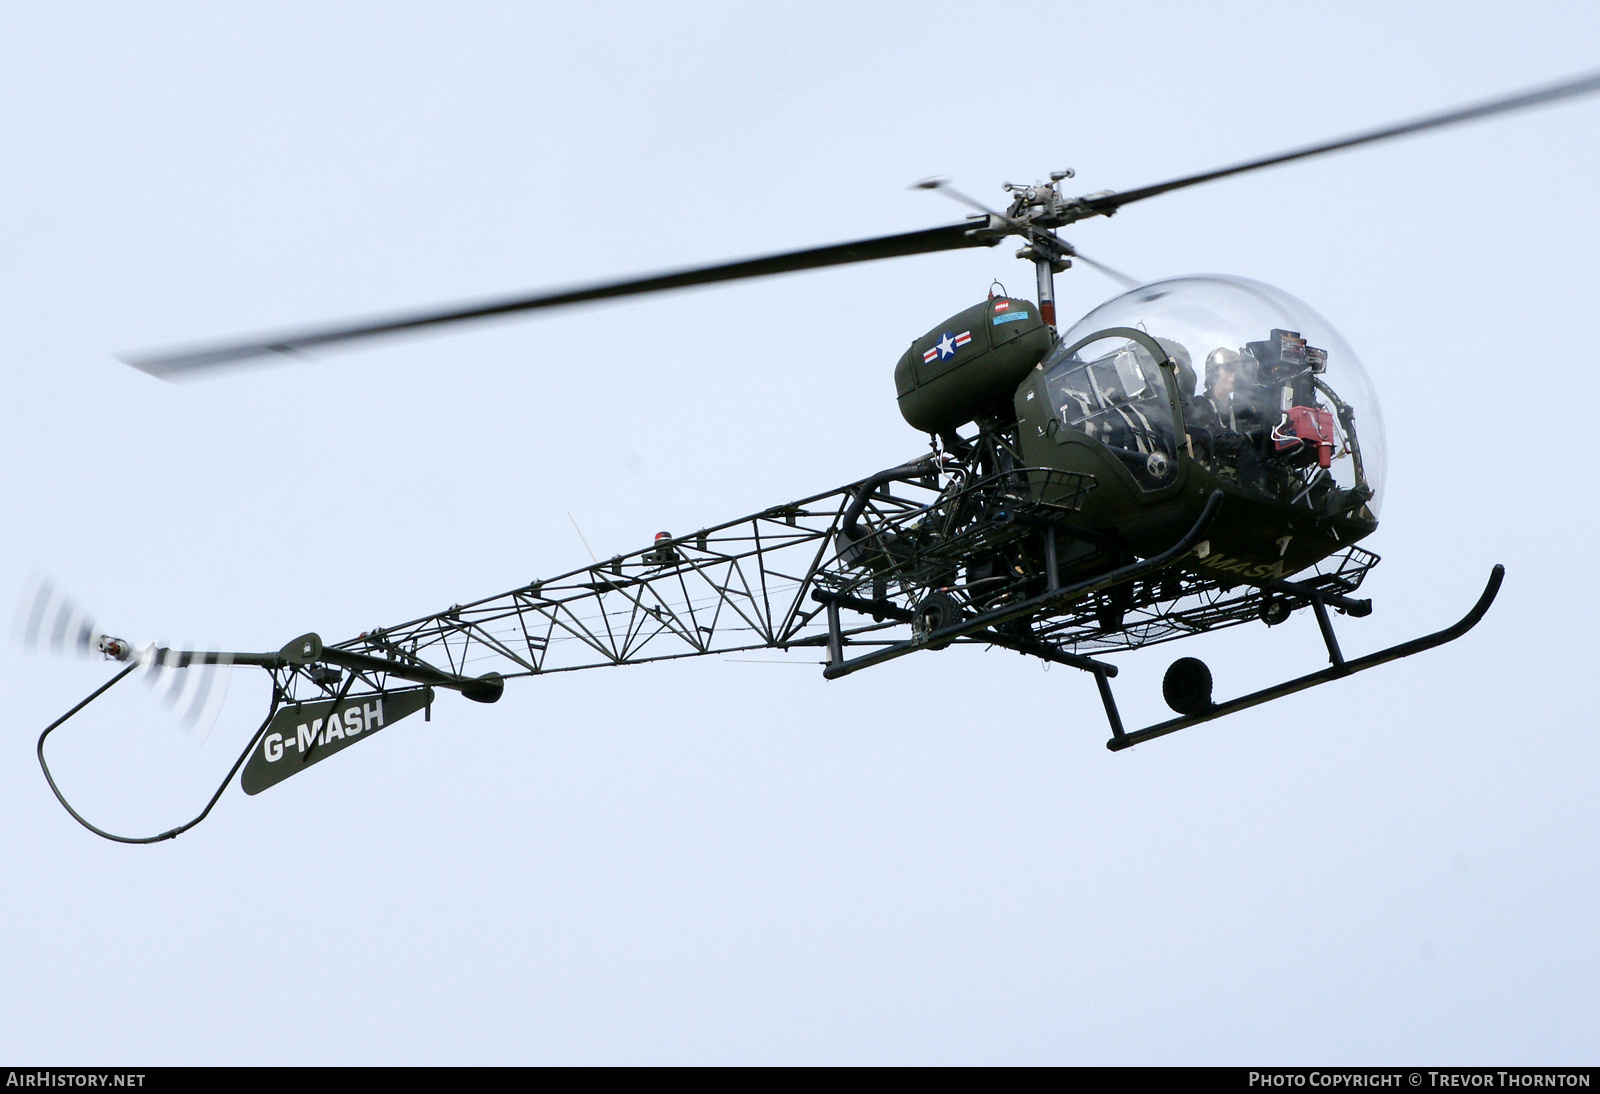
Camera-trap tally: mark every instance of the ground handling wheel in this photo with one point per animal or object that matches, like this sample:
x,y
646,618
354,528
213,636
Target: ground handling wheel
x,y
937,610
1187,686
1274,610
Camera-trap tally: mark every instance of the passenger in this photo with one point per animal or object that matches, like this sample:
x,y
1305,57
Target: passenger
x,y
1182,366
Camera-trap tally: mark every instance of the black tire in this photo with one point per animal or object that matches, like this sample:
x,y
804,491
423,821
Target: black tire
x,y
1187,686
1274,610
936,611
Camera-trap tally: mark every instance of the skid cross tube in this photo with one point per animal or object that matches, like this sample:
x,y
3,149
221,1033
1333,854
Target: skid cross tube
x,y
1350,606
1043,602
1339,669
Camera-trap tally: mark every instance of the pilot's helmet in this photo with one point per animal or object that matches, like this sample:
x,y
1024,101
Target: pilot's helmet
x,y
1218,359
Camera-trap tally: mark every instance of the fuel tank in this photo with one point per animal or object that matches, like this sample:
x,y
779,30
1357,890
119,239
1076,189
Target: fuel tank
x,y
970,364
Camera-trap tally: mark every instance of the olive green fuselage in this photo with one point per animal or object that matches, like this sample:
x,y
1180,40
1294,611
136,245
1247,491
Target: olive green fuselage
x,y
992,361
1254,536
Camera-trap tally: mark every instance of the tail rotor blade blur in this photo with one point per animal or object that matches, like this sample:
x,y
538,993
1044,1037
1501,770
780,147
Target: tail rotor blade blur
x,y
206,698
192,684
32,609
49,618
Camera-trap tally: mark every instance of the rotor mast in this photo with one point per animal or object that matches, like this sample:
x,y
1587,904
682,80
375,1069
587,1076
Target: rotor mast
x,y
1044,270
1035,210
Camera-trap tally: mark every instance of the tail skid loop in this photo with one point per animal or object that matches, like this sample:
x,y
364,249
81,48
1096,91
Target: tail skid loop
x,y
331,671
170,833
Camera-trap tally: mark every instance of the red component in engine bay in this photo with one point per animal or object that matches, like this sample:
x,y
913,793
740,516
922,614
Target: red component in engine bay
x,y
1313,426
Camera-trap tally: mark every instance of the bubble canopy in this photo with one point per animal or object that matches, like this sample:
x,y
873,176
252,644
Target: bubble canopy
x,y
1224,333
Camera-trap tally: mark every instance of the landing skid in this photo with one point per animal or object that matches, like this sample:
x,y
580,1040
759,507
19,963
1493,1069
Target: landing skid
x,y
1337,669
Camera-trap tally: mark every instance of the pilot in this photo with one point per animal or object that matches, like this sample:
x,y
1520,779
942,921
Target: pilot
x,y
1223,368
1226,410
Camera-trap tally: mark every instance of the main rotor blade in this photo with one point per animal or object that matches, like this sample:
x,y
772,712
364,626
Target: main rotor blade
x,y
1116,275
182,363
1107,204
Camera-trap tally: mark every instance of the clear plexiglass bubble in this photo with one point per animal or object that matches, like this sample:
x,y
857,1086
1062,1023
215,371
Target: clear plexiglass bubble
x,y
1208,324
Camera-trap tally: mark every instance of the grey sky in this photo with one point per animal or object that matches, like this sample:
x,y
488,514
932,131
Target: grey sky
x,y
933,861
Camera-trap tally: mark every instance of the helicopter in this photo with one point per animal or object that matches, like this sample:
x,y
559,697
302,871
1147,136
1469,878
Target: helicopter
x,y
1195,454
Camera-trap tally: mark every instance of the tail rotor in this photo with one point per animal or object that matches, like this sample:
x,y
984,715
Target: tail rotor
x,y
189,682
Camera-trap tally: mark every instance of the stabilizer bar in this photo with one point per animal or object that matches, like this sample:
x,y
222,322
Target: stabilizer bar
x,y
1338,669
